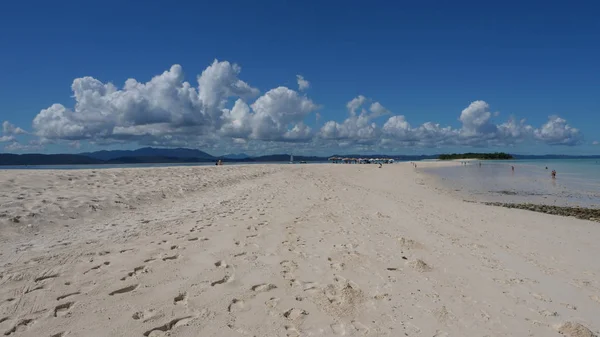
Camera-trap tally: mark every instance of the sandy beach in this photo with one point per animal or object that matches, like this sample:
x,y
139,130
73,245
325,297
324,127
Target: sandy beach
x,y
284,250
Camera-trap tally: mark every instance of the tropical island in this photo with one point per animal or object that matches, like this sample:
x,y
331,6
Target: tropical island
x,y
482,156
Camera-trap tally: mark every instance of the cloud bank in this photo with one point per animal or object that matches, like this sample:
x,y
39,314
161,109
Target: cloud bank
x,y
222,110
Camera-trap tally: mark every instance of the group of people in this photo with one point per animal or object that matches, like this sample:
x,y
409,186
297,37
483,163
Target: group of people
x,y
219,162
553,173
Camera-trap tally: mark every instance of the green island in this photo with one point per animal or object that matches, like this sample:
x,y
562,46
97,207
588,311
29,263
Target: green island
x,y
483,156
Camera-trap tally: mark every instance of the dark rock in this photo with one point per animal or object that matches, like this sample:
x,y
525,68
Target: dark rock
x,y
592,214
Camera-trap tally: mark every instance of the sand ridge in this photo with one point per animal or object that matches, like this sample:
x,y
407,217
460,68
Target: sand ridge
x,y
285,250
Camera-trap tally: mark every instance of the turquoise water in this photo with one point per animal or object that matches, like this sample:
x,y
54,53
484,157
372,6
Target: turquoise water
x,y
577,182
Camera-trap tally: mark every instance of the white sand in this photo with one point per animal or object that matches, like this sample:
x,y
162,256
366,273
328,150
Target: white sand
x,y
291,250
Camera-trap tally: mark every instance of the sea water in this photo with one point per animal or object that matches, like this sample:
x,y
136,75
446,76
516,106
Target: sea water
x,y
577,181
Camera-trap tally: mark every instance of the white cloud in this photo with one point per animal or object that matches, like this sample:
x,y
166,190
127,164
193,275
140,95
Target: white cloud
x,y
378,110
557,132
302,83
168,109
356,103
476,120
595,142
9,129
223,111
4,139
269,118
19,147
477,129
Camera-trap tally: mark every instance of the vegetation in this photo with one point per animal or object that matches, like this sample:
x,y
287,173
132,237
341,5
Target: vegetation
x,y
484,156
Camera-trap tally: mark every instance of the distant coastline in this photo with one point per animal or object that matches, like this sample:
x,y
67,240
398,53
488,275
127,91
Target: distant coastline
x,y
481,156
151,155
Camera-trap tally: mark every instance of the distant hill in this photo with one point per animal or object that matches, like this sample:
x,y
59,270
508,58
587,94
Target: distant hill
x,y
471,155
553,156
182,155
149,152
235,156
46,159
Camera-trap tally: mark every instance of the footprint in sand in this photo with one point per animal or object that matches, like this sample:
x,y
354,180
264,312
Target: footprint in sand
x,y
295,313
264,287
62,297
32,289
288,267
45,277
60,334
136,271
225,279
237,305
145,315
97,267
62,309
337,266
198,238
221,264
174,323
172,257
20,326
180,299
124,290
291,331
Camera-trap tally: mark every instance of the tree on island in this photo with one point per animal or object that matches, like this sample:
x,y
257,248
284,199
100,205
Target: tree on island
x,y
483,156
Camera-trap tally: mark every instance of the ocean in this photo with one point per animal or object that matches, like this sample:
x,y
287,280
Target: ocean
x,y
577,182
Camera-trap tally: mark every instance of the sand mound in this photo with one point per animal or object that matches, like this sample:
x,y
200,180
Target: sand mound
x,y
573,329
420,266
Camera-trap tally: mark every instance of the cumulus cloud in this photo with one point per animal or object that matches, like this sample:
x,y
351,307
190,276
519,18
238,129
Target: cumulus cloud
x,y
19,147
477,129
224,111
302,83
355,103
9,129
359,126
269,118
4,139
557,132
476,120
169,109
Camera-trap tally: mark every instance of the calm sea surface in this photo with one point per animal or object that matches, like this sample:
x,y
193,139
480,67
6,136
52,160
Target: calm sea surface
x,y
577,182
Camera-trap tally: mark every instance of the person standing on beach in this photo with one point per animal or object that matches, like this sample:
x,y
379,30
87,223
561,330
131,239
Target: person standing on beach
x,y
553,174
513,168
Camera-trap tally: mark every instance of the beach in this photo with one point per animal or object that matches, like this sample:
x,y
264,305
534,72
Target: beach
x,y
284,250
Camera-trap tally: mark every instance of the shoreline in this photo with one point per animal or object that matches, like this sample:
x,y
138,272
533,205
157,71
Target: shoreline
x,y
528,184
583,213
284,250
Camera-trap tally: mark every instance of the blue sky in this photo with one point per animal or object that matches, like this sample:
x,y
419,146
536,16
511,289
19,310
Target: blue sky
x,y
425,77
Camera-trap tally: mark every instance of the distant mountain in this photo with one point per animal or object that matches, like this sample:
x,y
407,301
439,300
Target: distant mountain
x,y
553,156
235,156
150,152
156,160
46,159
182,155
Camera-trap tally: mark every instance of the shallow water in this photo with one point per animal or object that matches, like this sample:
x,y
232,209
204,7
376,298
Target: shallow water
x,y
577,182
